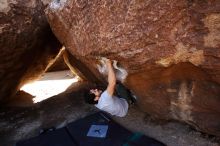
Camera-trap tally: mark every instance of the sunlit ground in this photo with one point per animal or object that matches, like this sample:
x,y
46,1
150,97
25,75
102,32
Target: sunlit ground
x,y
44,89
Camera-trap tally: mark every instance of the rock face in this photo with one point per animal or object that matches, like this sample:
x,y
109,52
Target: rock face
x,y
170,50
27,43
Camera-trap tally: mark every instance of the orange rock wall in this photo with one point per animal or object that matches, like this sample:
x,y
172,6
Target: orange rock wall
x,y
27,44
169,48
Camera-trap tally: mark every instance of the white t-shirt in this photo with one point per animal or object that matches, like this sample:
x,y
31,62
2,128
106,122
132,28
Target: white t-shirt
x,y
112,104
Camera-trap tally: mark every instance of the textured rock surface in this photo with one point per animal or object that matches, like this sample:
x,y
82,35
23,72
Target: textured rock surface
x,y
170,50
59,64
26,42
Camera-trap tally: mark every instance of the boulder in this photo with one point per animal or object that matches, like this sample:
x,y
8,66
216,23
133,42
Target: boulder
x,y
27,44
168,52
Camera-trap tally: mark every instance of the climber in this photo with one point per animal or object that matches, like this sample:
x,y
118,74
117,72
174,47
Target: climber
x,y
107,101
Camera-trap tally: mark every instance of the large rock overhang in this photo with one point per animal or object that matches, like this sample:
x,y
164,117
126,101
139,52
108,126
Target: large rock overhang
x,y
169,52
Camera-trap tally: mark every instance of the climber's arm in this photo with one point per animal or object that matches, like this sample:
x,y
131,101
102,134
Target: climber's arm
x,y
111,78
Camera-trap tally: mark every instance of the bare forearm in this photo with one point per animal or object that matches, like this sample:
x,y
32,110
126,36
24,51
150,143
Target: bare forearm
x,y
111,78
111,74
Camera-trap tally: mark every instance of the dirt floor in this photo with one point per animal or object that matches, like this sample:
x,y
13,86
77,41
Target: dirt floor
x,y
18,123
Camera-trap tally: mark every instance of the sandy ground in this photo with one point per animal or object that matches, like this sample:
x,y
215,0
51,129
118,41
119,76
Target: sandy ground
x,y
171,133
18,123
